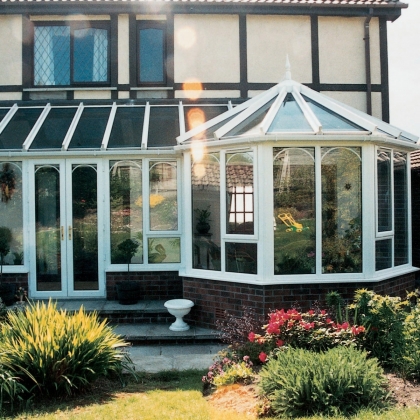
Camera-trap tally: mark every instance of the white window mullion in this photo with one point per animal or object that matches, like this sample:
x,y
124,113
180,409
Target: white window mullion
x,y
318,209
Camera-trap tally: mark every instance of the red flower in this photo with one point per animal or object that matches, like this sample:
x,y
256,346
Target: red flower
x,y
251,337
279,343
311,312
323,312
273,328
344,325
262,357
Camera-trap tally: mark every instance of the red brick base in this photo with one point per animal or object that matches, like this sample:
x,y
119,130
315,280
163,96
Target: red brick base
x,y
156,285
21,280
212,298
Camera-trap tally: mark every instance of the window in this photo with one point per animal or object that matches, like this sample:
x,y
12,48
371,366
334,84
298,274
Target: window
x,y
392,209
151,47
71,54
11,210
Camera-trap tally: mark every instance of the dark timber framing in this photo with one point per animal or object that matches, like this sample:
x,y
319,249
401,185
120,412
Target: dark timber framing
x,y
384,13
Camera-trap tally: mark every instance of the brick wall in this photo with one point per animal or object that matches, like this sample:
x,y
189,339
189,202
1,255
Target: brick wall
x,y
212,298
154,285
21,280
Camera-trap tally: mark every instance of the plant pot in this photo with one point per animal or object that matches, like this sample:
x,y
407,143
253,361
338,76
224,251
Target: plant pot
x,y
203,227
7,293
127,292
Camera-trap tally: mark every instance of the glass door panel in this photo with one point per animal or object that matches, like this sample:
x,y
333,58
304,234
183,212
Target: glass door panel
x,y
65,258
85,227
48,229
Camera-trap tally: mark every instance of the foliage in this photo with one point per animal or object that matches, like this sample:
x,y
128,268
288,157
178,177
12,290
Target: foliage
x,y
229,369
58,351
299,382
5,239
234,330
409,363
128,249
383,317
312,330
11,388
203,215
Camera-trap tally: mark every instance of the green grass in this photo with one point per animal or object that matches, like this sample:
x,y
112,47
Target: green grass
x,y
162,396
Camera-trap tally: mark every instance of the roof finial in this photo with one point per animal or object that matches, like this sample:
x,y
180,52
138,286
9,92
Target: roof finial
x,y
288,75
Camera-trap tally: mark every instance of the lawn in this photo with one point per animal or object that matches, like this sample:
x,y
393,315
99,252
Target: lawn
x,y
166,395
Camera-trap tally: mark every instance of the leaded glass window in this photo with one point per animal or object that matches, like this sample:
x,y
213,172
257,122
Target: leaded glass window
x,y
67,54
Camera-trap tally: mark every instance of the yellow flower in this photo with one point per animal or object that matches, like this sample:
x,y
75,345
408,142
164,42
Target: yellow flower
x,y
154,200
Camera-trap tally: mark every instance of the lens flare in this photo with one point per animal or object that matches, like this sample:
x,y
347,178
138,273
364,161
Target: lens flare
x,y
185,37
195,117
192,88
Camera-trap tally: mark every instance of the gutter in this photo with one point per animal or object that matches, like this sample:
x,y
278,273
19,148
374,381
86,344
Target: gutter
x,y
368,64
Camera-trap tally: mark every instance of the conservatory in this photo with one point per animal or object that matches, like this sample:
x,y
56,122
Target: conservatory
x,y
298,188
288,188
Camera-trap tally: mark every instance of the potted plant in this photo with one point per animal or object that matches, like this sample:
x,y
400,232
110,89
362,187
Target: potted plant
x,y
7,290
127,291
203,218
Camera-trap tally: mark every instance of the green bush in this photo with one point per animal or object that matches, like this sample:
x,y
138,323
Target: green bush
x,y
342,380
11,389
409,364
61,352
383,317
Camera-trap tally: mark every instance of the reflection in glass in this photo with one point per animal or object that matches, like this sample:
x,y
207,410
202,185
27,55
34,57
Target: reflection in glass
x,y
289,118
329,120
384,190
383,254
294,211
11,219
164,250
400,209
341,210
126,203
14,134
47,228
85,227
241,258
240,193
205,178
127,127
163,201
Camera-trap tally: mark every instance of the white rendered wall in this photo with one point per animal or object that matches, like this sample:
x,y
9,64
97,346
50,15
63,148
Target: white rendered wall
x,y
206,48
123,50
358,100
342,50
270,39
11,50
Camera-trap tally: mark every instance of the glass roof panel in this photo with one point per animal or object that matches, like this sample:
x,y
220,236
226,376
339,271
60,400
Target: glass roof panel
x,y
3,112
127,129
91,128
54,129
18,128
289,118
163,126
196,115
251,124
329,120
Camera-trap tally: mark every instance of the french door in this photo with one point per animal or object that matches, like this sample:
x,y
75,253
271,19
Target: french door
x,y
66,234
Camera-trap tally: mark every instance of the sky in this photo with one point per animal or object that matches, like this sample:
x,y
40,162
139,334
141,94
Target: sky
x,y
404,68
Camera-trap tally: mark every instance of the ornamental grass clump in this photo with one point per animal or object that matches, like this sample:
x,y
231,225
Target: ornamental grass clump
x,y
55,352
342,380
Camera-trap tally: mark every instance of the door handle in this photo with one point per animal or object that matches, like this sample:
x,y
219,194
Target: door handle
x,y
70,232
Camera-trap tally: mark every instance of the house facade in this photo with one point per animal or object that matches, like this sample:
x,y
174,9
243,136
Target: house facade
x,y
134,120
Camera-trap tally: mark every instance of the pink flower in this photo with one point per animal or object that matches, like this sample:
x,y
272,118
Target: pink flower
x,y
263,357
279,343
311,312
273,328
251,337
245,358
344,325
323,312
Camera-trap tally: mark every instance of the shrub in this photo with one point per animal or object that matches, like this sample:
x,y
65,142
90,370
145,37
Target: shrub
x,y
342,380
312,330
409,364
229,369
59,351
383,317
11,388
